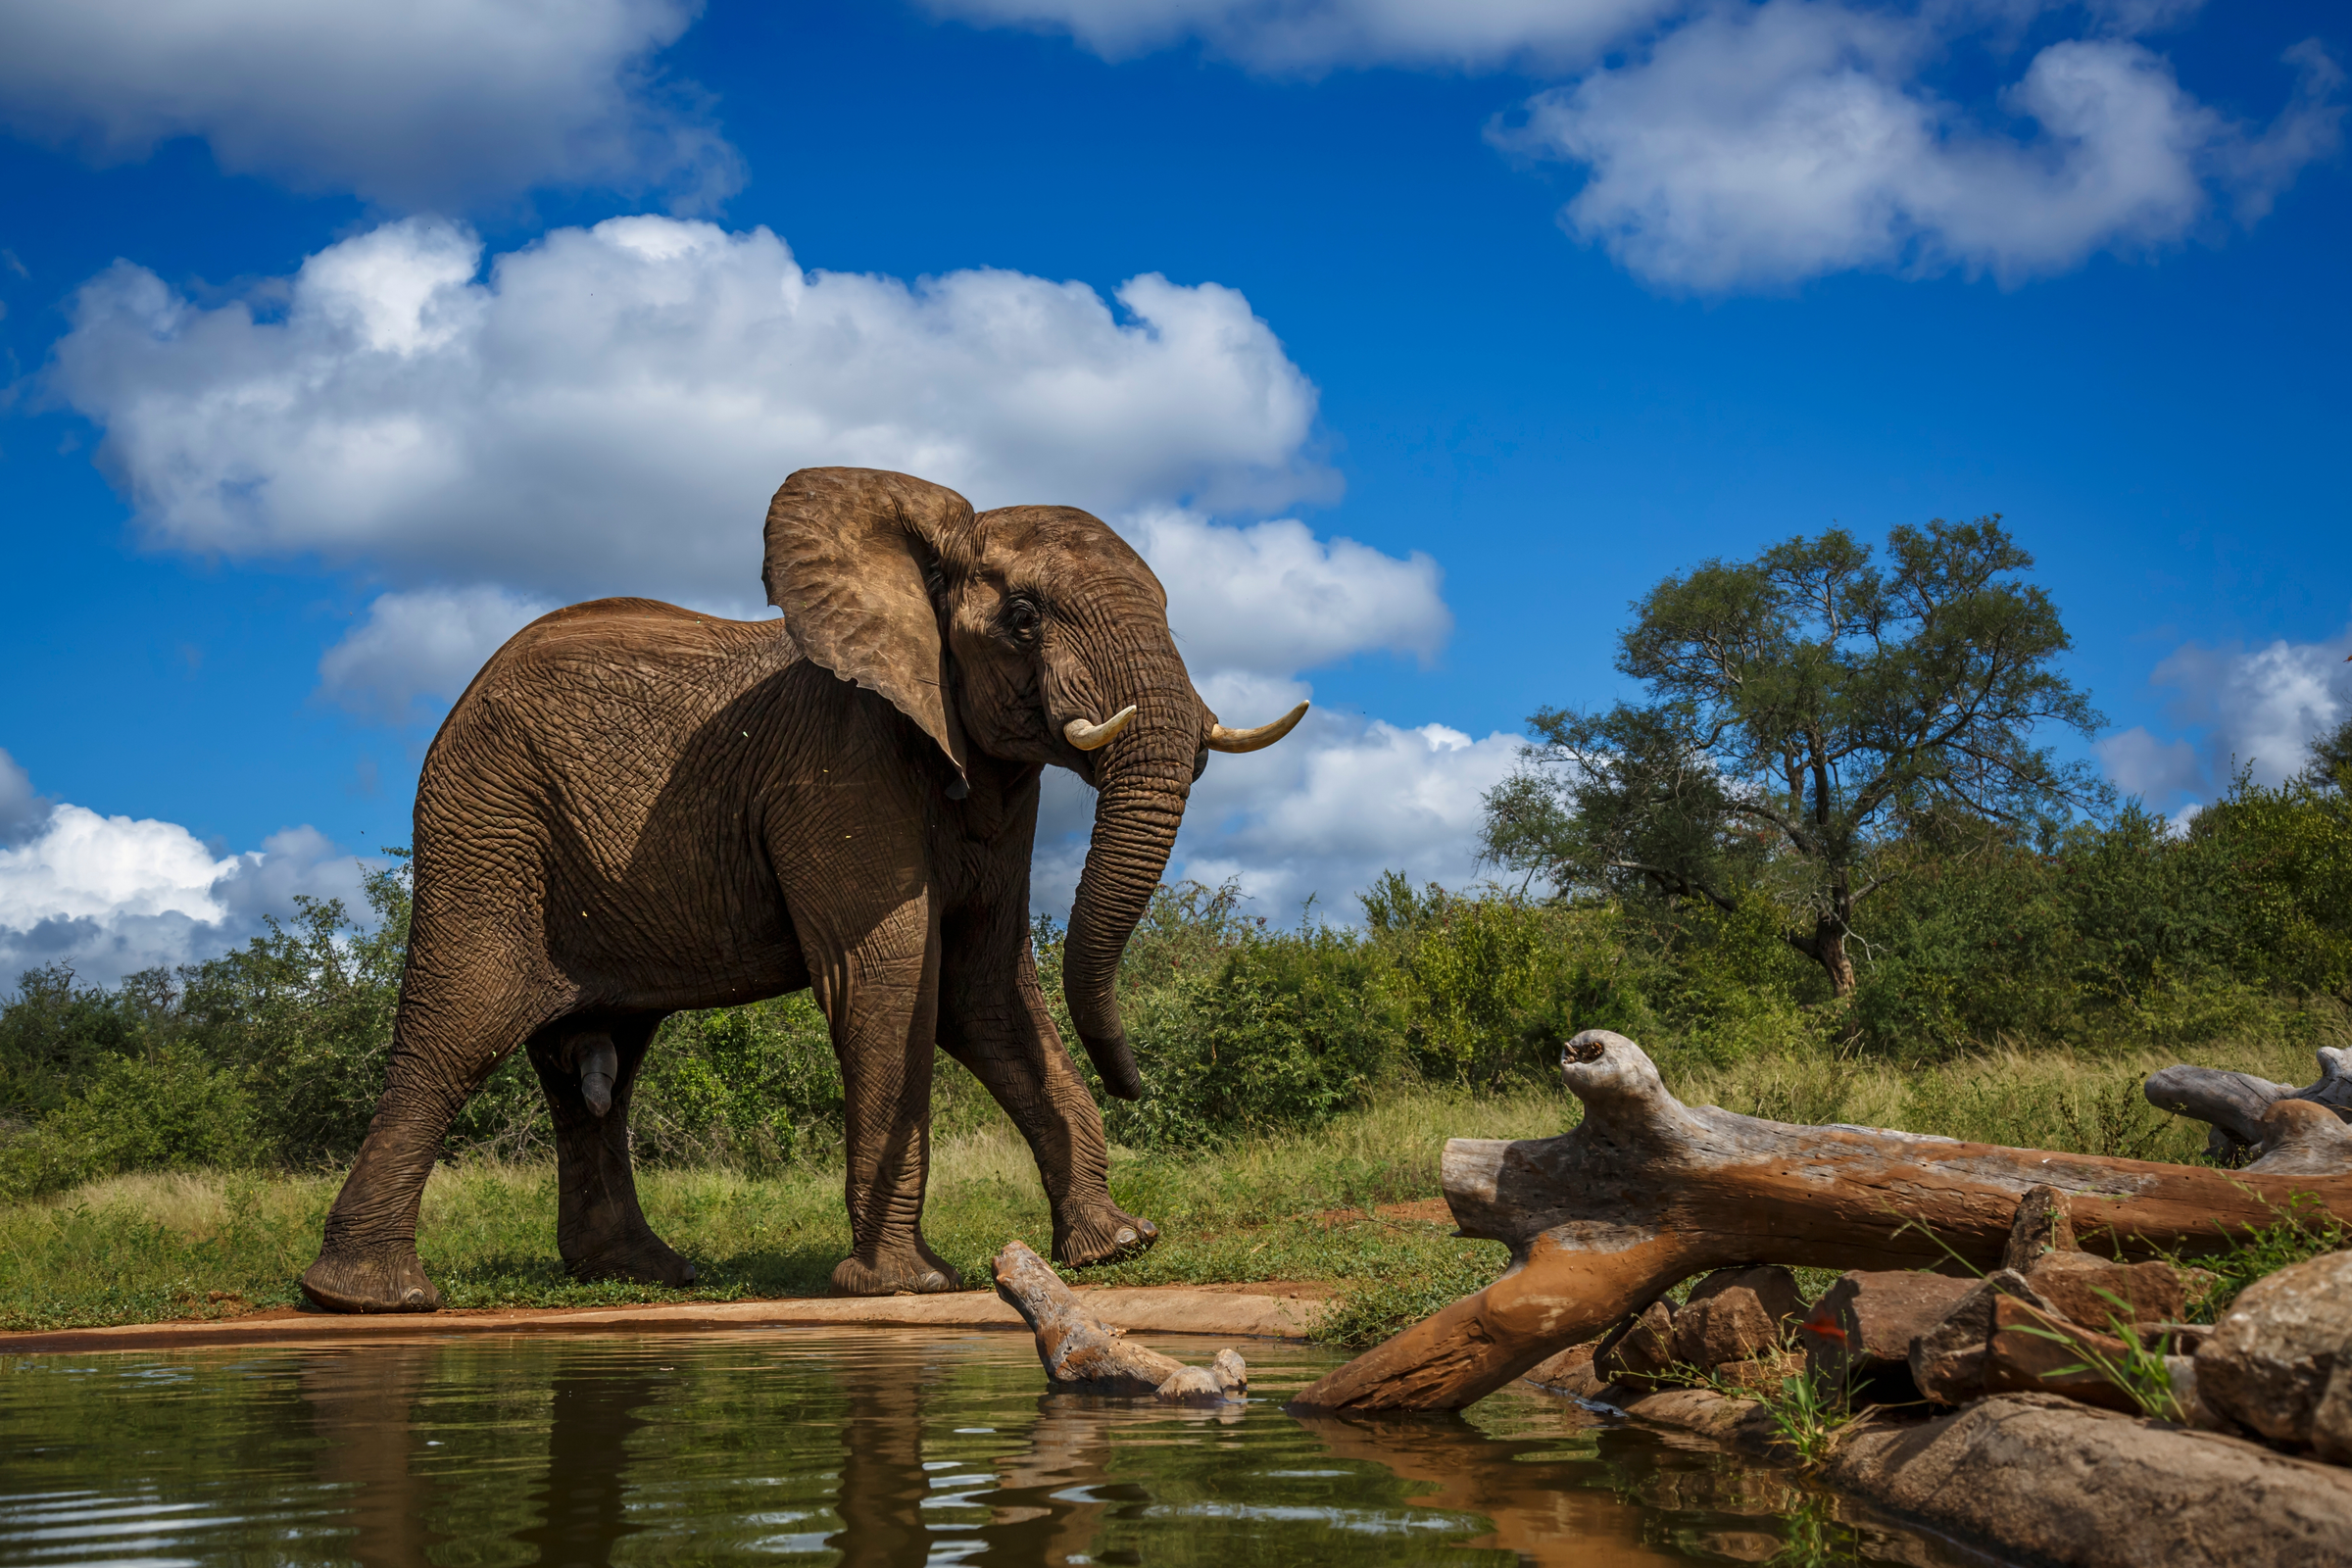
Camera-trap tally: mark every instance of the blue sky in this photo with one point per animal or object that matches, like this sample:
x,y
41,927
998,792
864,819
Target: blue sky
x,y
1409,342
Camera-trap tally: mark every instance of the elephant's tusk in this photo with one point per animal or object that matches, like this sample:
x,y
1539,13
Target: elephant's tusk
x,y
1221,739
1087,736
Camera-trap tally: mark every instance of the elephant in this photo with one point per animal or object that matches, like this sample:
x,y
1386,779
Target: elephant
x,y
635,808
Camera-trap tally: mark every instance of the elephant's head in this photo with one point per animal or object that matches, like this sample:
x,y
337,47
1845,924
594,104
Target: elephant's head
x,y
1032,634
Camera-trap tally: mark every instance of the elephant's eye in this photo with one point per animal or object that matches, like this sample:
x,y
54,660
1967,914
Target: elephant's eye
x,y
1022,619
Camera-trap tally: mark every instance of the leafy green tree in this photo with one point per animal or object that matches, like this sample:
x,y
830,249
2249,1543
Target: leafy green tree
x,y
1804,709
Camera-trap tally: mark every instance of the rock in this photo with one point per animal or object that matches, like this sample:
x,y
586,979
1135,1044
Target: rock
x,y
1762,1376
1731,1325
1774,1288
2331,1418
2274,1355
1231,1372
2079,1286
1570,1372
2045,1224
1947,1362
1640,1347
2038,1477
1862,1328
2021,1358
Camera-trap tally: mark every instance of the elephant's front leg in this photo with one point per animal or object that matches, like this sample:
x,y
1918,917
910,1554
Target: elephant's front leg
x,y
881,996
996,1022
600,1229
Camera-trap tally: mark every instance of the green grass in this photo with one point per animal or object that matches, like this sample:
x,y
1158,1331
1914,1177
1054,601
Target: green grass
x,y
1290,1207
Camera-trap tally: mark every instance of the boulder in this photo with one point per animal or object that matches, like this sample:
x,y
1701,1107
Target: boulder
x,y
2331,1418
2055,1482
1862,1328
1948,1360
2021,1357
2095,1293
1774,1288
1640,1347
2044,1223
2275,1356
1570,1372
1731,1325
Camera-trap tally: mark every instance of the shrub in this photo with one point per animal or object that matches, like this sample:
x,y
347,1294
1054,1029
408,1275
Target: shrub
x,y
171,1111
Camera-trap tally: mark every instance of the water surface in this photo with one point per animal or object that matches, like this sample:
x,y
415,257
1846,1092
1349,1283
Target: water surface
x,y
833,1446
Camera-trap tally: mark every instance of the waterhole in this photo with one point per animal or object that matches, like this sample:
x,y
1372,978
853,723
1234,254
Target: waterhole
x,y
838,1446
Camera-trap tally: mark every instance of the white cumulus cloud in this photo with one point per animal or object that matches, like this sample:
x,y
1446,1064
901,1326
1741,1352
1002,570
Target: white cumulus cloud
x,y
1273,597
2257,708
609,410
425,104
110,894
1766,144
1315,35
420,647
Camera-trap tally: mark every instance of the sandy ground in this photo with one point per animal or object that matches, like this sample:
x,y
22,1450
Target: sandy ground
x,y
1262,1310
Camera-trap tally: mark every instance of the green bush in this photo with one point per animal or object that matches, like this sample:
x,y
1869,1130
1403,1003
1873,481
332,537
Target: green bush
x,y
171,1111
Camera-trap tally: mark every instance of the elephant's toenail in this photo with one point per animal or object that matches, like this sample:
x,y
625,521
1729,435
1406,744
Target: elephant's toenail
x,y
1126,1236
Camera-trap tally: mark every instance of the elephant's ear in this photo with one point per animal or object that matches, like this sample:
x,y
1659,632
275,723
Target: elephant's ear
x,y
850,553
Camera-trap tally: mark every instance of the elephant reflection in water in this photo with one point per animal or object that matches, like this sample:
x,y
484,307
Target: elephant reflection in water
x,y
360,1404
363,1402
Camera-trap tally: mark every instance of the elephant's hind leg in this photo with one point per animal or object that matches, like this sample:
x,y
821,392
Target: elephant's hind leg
x,y
600,1228
441,1052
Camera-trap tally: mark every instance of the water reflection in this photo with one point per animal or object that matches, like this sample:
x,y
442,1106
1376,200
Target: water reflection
x,y
829,1446
360,1403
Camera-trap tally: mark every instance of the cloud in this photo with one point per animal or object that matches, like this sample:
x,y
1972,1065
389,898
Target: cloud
x,y
1760,145
432,104
2256,708
110,894
420,647
1273,597
1310,36
21,811
609,409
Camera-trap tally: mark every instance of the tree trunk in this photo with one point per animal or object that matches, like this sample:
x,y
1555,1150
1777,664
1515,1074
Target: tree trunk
x,y
1647,1191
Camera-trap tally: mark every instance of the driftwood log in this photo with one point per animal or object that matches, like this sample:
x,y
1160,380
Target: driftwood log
x,y
1647,1191
2232,1103
1082,1354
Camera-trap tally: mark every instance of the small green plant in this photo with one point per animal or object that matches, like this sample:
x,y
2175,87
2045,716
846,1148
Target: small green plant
x,y
2140,1371
1808,1410
2304,1229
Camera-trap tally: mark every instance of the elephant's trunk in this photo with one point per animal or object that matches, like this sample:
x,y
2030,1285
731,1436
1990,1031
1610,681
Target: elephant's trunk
x,y
1144,778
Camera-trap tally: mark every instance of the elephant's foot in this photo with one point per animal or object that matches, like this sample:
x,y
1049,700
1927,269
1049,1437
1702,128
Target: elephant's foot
x,y
384,1280
914,1270
1102,1233
642,1259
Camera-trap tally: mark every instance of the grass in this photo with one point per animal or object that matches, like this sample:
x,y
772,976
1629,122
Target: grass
x,y
1290,1207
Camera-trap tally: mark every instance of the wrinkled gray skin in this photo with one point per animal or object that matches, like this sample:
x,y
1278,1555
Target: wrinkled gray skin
x,y
635,809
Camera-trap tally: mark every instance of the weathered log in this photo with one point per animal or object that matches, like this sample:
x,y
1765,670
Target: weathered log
x,y
1647,1191
1082,1354
2232,1103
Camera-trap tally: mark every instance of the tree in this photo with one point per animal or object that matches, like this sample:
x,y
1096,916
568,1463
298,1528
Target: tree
x,y
1804,708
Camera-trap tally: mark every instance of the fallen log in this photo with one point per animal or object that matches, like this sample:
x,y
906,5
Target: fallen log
x,y
1647,1191
1081,1355
2232,1103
